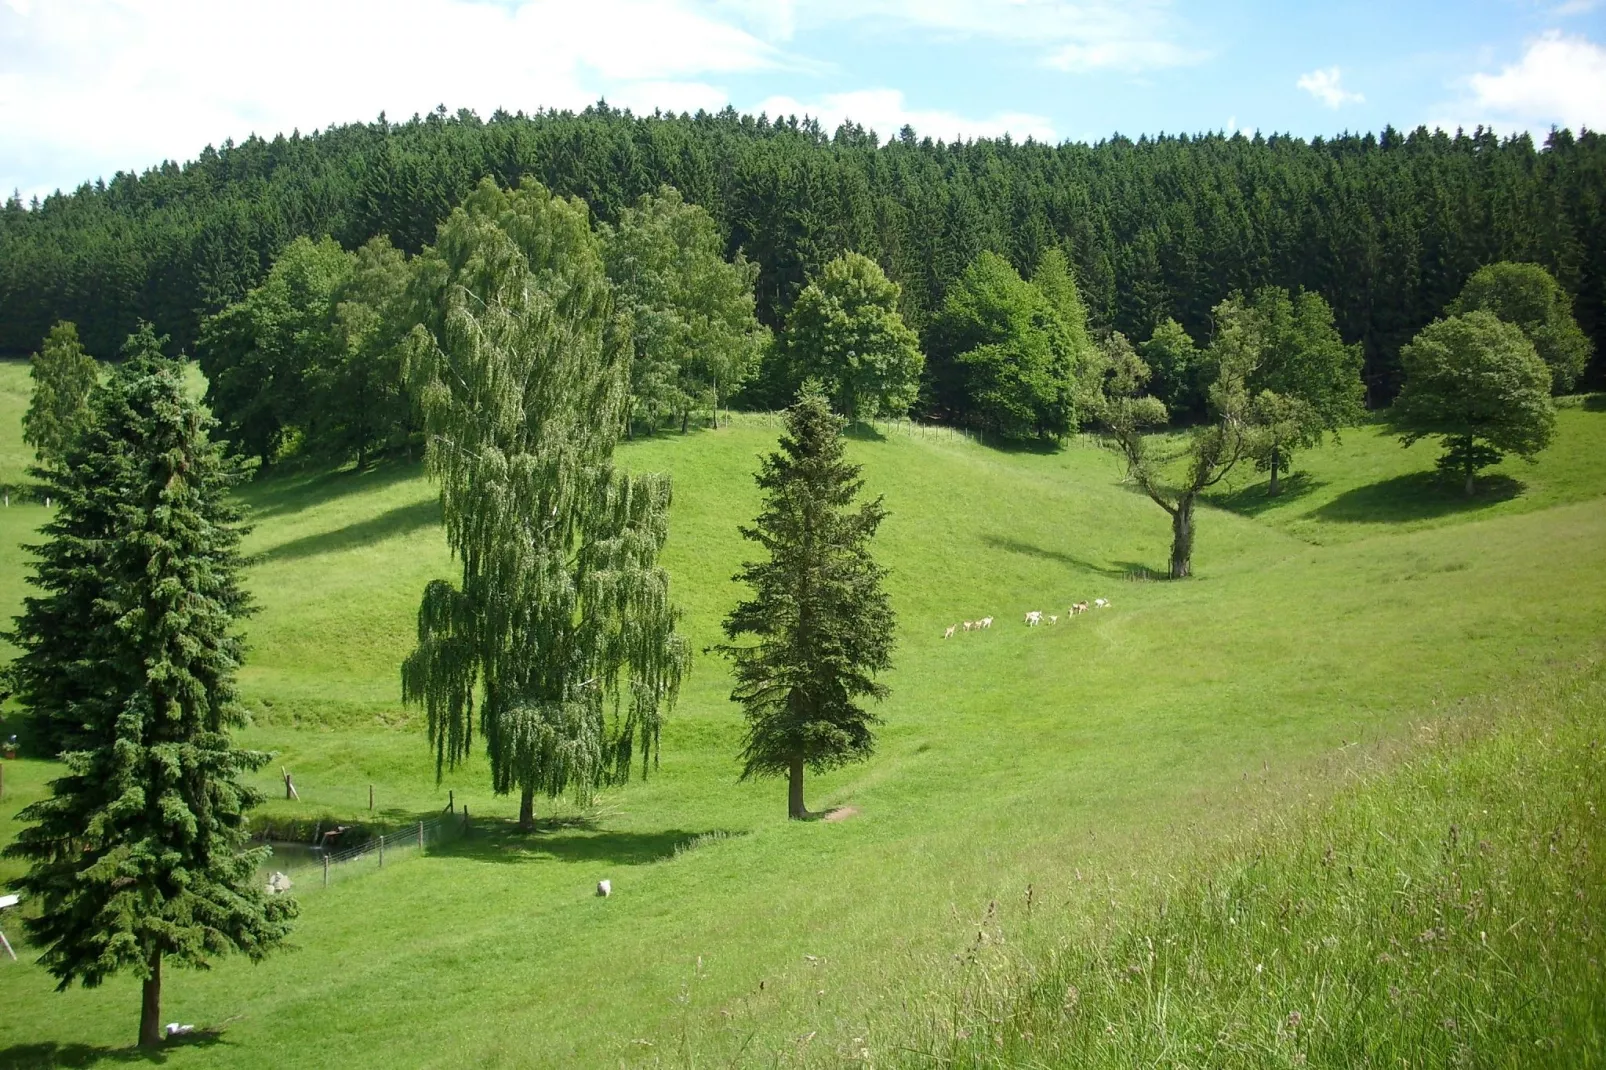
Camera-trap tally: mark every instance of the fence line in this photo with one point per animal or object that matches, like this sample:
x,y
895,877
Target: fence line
x,y
319,867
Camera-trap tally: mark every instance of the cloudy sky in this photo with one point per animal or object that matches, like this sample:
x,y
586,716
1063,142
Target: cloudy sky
x,y
91,87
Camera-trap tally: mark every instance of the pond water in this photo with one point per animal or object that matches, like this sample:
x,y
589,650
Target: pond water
x,y
288,857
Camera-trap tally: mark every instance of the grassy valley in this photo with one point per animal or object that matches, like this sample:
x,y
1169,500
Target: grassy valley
x,y
1025,779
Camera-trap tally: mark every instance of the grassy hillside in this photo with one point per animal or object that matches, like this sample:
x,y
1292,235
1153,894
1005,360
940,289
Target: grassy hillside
x,y
1009,759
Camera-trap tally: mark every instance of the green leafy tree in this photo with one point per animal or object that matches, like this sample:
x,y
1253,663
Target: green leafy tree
x,y
1476,383
63,376
822,623
357,403
845,330
1178,471
1306,382
1016,355
691,311
260,353
1180,376
1529,296
560,633
140,853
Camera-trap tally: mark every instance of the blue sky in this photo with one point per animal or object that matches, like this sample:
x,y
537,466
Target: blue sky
x,y
90,87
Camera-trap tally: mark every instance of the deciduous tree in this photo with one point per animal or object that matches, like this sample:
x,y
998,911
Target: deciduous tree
x,y
845,331
1529,297
1475,382
691,310
822,624
558,641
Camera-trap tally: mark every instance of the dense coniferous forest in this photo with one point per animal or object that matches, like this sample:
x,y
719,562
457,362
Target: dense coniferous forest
x,y
1387,227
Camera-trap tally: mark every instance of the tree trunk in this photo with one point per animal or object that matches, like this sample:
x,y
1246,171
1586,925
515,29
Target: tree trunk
x,y
794,791
150,1006
685,420
1275,488
1182,540
1469,481
527,810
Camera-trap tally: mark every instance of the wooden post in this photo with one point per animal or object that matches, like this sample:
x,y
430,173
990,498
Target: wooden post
x,y
465,819
381,852
326,868
370,797
451,801
289,787
420,835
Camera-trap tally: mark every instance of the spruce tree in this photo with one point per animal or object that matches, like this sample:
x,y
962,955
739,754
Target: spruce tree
x,y
823,624
63,375
140,853
560,631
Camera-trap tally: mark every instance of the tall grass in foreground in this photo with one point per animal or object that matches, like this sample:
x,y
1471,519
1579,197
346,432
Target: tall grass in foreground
x,y
1449,910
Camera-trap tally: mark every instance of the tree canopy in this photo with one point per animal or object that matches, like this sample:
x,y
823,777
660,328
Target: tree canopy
x,y
846,332
1014,353
1387,225
691,310
140,853
560,632
1529,297
1476,383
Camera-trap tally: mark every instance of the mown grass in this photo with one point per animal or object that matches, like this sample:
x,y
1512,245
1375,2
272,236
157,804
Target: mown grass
x,y
1046,758
1446,908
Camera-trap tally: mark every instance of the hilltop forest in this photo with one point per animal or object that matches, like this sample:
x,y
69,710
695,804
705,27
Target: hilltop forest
x,y
1387,227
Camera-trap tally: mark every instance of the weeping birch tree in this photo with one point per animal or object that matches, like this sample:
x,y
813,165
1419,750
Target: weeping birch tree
x,y
558,642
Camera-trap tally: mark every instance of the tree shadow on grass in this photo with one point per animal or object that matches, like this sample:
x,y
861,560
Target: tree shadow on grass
x,y
1252,500
1595,402
402,520
863,432
568,840
289,492
1120,570
51,1054
1417,496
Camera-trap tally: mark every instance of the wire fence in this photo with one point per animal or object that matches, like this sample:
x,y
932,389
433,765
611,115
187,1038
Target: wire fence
x,y
883,425
317,866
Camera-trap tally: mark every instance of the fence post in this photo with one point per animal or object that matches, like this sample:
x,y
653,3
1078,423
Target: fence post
x,y
381,851
465,819
420,835
326,869
370,797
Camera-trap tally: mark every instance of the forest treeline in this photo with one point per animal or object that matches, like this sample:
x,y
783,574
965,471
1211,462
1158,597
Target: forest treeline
x,y
1387,227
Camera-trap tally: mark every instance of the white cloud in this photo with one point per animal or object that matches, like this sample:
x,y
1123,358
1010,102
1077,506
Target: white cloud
x,y
101,85
1575,7
886,112
1121,35
1325,85
1560,80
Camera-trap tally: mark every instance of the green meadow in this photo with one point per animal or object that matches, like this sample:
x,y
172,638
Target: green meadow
x,y
1025,779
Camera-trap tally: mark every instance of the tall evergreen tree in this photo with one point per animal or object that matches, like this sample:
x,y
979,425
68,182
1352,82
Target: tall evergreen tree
x,y
63,376
1476,382
140,853
561,630
823,625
